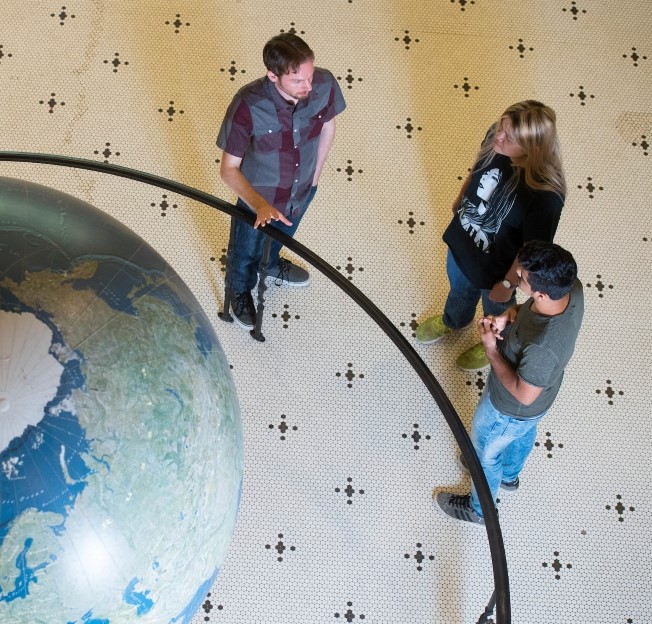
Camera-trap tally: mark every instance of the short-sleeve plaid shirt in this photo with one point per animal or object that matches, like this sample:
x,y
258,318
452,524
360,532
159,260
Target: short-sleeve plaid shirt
x,y
277,140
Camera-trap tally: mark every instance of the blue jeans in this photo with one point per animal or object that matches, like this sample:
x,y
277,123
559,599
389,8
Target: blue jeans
x,y
247,251
502,443
463,298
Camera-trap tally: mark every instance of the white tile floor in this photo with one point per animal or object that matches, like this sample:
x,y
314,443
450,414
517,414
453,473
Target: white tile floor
x,y
446,69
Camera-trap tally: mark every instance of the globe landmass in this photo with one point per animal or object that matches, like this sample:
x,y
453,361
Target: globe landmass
x,y
119,502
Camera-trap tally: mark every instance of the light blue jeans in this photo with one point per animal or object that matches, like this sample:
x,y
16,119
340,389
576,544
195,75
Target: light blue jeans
x,y
463,298
503,444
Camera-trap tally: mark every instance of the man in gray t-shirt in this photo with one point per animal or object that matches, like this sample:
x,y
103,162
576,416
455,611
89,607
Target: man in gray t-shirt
x,y
528,348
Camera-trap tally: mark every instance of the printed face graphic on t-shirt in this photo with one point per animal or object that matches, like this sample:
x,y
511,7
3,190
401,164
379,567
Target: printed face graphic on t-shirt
x,y
481,218
488,183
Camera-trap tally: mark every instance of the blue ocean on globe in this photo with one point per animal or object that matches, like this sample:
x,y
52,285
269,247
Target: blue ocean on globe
x,y
120,434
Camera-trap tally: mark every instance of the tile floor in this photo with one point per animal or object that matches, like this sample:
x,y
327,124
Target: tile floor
x,y
343,443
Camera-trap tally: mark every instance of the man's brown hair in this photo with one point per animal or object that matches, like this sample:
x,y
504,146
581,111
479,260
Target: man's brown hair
x,y
284,53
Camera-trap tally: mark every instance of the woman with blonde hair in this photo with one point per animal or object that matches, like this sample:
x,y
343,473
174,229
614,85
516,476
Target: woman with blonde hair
x,y
515,193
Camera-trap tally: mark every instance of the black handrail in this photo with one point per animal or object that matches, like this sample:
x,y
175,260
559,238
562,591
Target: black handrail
x,y
494,535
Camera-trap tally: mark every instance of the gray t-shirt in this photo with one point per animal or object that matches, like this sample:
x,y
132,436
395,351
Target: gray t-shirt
x,y
538,348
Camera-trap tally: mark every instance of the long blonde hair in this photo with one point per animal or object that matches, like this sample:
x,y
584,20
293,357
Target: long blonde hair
x,y
535,132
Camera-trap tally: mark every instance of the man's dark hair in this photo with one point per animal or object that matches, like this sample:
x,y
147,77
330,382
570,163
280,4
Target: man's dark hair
x,y
551,269
285,52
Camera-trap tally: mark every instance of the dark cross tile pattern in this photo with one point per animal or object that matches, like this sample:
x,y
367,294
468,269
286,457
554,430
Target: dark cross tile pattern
x,y
600,286
349,79
62,15
549,445
479,381
208,606
349,616
619,508
590,187
116,62
170,111
521,48
285,316
412,324
582,95
557,565
635,56
283,427
466,87
349,268
222,260
349,170
232,70
411,222
177,23
409,128
350,375
610,393
463,3
406,39
574,10
416,436
4,54
106,152
419,557
51,103
644,145
293,30
280,547
349,491
163,205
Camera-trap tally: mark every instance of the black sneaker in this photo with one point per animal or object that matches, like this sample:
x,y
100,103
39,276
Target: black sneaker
x,y
285,273
508,486
244,310
458,507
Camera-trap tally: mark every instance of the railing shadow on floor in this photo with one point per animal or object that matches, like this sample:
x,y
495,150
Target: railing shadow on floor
x,y
500,598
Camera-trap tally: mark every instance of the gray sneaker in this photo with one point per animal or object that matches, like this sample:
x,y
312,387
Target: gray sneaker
x,y
244,310
458,507
286,273
508,486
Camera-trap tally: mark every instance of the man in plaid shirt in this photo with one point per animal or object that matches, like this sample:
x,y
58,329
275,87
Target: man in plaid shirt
x,y
275,138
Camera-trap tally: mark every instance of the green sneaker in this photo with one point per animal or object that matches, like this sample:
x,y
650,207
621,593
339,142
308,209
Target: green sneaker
x,y
473,359
432,330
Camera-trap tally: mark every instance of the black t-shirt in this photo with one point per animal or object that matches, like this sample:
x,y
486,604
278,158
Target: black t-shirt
x,y
493,222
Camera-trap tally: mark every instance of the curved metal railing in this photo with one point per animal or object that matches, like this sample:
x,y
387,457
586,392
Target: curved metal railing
x,y
500,596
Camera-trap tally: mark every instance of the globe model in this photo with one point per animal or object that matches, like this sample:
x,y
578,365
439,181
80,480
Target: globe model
x,y
120,434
